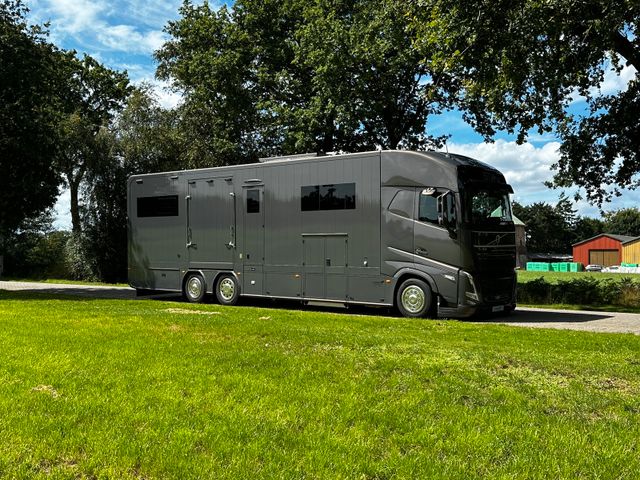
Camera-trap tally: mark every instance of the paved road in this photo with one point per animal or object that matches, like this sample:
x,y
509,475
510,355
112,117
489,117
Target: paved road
x,y
523,317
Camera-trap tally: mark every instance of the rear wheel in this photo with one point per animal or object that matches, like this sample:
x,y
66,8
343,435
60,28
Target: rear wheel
x,y
227,290
414,298
194,288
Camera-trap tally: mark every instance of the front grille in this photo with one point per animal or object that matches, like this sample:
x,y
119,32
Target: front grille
x,y
495,260
496,289
494,239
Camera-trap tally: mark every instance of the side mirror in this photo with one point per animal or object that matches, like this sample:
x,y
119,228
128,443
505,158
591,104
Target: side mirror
x,y
447,212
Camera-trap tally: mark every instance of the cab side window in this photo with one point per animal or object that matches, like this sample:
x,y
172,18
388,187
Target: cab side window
x,y
428,207
402,203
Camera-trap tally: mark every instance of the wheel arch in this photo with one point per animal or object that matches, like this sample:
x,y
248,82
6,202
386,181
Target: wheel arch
x,y
189,272
407,273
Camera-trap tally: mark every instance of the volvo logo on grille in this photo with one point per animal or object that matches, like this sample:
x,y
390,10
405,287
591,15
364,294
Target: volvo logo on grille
x,y
497,240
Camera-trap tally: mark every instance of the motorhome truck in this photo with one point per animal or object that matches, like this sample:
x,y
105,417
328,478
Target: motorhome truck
x,y
427,232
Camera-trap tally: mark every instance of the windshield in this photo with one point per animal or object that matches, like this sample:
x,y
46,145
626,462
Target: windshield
x,y
489,206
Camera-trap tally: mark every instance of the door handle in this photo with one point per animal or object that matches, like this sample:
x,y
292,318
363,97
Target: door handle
x,y
191,244
422,252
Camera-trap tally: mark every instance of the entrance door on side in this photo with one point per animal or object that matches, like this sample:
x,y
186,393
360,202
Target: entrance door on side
x,y
253,240
313,248
210,223
335,264
325,266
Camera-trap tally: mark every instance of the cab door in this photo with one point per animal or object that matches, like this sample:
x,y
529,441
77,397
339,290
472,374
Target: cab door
x,y
435,247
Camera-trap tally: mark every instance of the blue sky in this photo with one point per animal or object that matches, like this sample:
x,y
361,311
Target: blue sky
x,y
124,34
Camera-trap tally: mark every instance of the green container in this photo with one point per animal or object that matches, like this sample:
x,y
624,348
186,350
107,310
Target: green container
x,y
538,267
575,267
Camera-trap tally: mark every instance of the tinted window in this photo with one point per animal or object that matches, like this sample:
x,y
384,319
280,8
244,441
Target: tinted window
x,y
339,196
428,209
166,206
310,198
253,201
336,196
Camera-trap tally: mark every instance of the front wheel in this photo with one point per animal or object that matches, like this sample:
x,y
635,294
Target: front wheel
x,y
194,288
414,298
227,290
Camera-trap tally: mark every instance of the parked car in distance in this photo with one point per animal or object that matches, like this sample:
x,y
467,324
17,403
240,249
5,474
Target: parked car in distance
x,y
593,268
612,269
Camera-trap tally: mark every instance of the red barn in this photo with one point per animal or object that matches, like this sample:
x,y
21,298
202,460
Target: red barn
x,y
604,249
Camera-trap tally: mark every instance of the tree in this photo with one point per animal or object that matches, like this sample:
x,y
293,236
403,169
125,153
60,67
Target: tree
x,y
28,137
550,229
148,136
35,249
103,240
587,227
143,138
89,95
273,77
625,221
519,65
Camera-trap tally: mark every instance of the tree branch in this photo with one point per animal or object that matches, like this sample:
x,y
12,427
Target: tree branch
x,y
625,48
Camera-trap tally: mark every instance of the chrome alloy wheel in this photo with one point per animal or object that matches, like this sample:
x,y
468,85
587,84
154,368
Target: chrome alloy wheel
x,y
413,299
195,287
227,289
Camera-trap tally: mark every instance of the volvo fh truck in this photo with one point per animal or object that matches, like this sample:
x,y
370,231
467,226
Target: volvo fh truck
x,y
429,233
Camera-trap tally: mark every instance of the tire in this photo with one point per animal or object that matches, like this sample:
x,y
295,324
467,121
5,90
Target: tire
x,y
414,298
227,290
194,288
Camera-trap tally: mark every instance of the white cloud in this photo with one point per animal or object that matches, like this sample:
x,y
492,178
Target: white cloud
x,y
71,16
104,26
126,38
526,167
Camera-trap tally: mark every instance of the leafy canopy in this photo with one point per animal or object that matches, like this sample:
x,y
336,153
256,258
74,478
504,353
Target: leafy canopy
x,y
520,65
268,77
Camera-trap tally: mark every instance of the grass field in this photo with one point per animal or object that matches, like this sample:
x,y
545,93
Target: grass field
x,y
149,389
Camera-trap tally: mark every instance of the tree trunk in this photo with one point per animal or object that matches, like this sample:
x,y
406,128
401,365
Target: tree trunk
x,y
75,209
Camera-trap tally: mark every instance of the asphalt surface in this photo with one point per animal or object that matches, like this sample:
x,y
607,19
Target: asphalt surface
x,y
606,322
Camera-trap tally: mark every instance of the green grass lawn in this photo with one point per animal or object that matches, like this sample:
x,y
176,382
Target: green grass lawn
x,y
150,389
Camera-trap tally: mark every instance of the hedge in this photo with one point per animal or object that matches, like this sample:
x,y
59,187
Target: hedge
x,y
581,291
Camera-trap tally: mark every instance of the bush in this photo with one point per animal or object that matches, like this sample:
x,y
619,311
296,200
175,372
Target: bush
x,y
581,291
79,263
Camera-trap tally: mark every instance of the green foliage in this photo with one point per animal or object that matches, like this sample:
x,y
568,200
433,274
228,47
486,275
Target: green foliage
x,y
35,250
587,227
80,264
549,229
148,136
150,389
89,96
625,221
274,77
29,181
105,216
582,290
517,66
